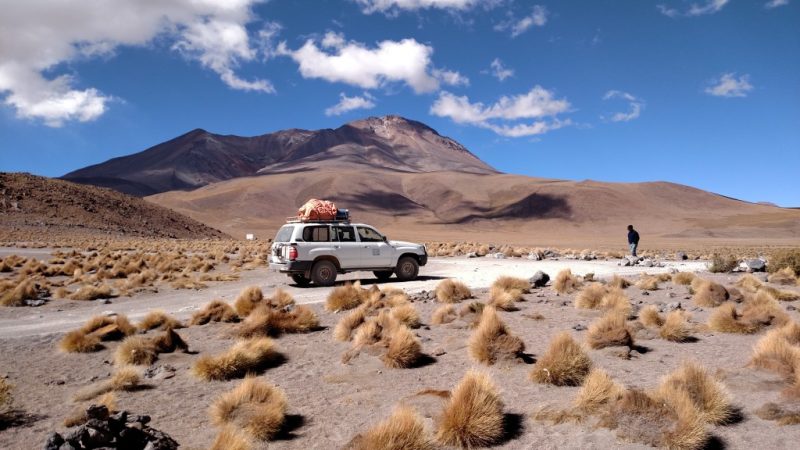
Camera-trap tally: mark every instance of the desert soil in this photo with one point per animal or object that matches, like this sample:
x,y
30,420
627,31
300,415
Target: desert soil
x,y
330,402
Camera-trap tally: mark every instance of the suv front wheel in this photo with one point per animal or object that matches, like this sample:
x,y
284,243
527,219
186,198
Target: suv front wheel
x,y
407,269
323,273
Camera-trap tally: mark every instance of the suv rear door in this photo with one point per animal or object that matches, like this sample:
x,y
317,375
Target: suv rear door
x,y
346,247
375,252
280,247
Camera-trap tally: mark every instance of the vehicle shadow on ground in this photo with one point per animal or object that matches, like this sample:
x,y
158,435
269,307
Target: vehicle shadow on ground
x,y
371,281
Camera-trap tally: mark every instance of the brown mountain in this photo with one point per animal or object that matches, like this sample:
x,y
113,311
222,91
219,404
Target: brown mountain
x,y
43,208
199,158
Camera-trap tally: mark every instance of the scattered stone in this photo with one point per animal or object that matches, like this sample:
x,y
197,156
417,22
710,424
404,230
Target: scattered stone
x,y
646,263
673,306
539,279
755,265
34,303
439,352
645,292
533,256
499,255
579,327
681,256
118,431
791,308
160,372
472,255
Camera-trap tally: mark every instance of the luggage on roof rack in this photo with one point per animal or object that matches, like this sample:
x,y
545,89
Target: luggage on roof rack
x,y
316,210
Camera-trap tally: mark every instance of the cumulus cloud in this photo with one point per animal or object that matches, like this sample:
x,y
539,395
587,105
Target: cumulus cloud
x,y
450,77
709,7
728,85
36,36
393,6
347,104
635,106
776,3
500,71
538,104
518,25
340,61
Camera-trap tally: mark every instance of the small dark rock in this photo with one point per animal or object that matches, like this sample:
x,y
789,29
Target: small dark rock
x,y
539,279
579,327
54,441
645,293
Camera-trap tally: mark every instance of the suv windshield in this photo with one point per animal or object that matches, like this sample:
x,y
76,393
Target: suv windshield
x,y
284,234
369,235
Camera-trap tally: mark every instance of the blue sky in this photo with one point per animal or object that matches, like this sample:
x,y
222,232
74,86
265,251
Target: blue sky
x,y
704,92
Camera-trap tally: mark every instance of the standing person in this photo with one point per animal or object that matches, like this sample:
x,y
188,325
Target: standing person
x,y
633,239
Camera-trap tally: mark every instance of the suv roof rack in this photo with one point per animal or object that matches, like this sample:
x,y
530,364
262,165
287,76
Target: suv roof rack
x,y
331,221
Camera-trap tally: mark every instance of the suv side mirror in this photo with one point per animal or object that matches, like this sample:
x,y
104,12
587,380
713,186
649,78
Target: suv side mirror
x,y
385,239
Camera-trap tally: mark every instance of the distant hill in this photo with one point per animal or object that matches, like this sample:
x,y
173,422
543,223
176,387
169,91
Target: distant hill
x,y
50,207
199,158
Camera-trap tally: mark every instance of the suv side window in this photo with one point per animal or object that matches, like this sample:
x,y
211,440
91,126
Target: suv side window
x,y
344,234
316,234
369,235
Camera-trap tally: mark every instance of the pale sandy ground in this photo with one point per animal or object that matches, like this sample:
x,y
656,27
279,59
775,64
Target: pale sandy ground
x,y
330,401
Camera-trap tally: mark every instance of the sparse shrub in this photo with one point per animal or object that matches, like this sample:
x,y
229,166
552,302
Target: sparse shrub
x,y
683,278
785,276
775,353
257,407
783,258
452,291
215,311
404,349
610,330
597,392
247,300
231,438
473,416
676,327
563,364
491,341
158,319
90,292
407,315
506,290
709,294
268,321
723,264
403,430
136,350
250,355
650,317
443,314
352,320
619,282
123,379
590,296
763,310
616,300
345,297
749,283
709,396
25,290
647,283
726,319
566,282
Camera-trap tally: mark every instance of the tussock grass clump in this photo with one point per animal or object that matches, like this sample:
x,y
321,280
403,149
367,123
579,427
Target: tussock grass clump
x,y
709,294
5,394
785,276
597,392
640,417
608,331
590,296
780,294
492,341
619,282
345,297
77,341
783,258
763,310
249,355
563,364
683,278
512,287
91,292
676,327
123,379
726,319
215,311
615,300
452,291
708,395
473,416
347,324
648,283
773,411
267,321
443,314
775,353
78,415
504,300
403,430
26,290
169,342
256,406
407,315
749,283
98,328
650,317
723,264
247,300
136,350
566,282
231,438
158,319
404,349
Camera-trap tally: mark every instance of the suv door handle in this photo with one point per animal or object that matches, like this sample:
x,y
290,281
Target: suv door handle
x,y
337,246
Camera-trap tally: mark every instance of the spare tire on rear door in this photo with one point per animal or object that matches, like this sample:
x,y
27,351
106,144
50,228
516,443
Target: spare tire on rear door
x,y
407,268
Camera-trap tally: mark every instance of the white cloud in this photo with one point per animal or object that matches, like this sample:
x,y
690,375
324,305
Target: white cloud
x,y
517,26
728,85
636,106
538,103
355,64
500,71
709,7
776,3
450,77
392,6
347,104
36,36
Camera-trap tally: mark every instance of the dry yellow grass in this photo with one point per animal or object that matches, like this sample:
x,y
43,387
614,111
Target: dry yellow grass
x,y
619,282
443,314
248,299
91,292
726,319
25,290
763,310
255,406
709,396
5,394
785,276
676,327
347,324
77,341
267,321
473,416
407,315
78,415
510,286
749,283
452,291
610,330
650,317
616,300
564,363
158,319
492,341
123,379
215,311
136,350
590,296
709,294
683,278
783,295
404,349
345,297
231,438
648,283
249,355
598,391
773,411
403,430
566,282
775,353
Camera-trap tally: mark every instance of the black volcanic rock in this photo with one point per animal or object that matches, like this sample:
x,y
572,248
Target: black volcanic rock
x,y
199,158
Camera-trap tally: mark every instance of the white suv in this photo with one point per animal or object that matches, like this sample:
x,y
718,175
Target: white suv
x,y
318,251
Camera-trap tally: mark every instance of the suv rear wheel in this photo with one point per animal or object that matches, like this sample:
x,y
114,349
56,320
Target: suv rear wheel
x,y
323,273
407,268
383,275
300,280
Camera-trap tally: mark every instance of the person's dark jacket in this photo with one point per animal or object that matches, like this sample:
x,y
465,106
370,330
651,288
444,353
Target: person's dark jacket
x,y
633,237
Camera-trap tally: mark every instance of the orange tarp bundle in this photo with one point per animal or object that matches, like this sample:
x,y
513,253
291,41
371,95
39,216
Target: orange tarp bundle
x,y
317,210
